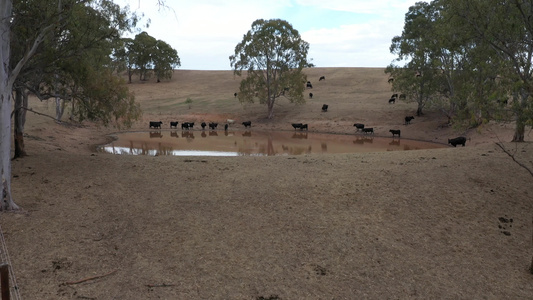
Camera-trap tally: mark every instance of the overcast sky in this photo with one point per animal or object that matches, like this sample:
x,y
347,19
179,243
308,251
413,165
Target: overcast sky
x,y
341,33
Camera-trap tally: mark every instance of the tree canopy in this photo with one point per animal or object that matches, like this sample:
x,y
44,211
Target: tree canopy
x,y
273,55
472,60
144,54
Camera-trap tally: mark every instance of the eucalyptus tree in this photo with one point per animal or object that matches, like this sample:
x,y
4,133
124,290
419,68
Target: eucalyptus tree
x,y
165,59
506,27
143,49
123,57
66,59
273,56
421,78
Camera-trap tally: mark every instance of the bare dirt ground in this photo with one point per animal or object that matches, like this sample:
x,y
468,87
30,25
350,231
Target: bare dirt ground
x,y
450,223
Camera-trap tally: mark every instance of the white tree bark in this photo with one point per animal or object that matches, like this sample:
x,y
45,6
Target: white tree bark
x,y
6,106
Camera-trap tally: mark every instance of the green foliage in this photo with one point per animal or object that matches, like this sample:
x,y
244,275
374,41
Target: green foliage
x,y
144,55
72,62
105,97
474,58
273,56
143,48
165,58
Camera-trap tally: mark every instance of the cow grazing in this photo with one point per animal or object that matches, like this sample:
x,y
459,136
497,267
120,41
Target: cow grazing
x,y
457,141
359,126
310,95
392,100
368,130
395,132
225,127
296,125
394,96
322,78
235,95
174,124
156,124
304,126
408,119
309,85
203,124
213,126
230,121
325,107
247,124
390,80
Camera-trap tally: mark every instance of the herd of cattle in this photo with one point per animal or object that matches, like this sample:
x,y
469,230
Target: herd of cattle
x,y
359,126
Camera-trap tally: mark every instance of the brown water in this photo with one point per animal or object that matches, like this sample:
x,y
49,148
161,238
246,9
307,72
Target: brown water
x,y
240,143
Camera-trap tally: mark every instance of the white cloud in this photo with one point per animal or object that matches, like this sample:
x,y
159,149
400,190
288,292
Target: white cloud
x,y
205,32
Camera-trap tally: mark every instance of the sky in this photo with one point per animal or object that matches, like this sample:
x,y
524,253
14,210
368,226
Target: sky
x,y
341,33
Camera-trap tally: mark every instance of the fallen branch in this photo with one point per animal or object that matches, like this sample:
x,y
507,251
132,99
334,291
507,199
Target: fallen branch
x,y
90,278
159,285
514,159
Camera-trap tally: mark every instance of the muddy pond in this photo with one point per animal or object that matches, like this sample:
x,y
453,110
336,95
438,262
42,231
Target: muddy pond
x,y
259,143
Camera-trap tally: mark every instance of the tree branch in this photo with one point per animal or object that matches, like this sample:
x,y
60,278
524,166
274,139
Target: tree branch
x,y
499,144
89,278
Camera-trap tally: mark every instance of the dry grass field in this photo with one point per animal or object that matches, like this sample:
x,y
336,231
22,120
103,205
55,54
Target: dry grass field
x,y
452,223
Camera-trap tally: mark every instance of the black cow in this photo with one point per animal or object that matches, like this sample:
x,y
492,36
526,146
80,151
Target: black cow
x,y
309,85
408,119
304,126
395,132
187,125
296,125
156,124
322,78
247,124
394,96
235,95
213,125
457,141
325,107
226,127
203,125
174,124
359,126
392,100
368,130
310,95
390,80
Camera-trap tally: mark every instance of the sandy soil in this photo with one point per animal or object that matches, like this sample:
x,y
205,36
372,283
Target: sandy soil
x,y
450,223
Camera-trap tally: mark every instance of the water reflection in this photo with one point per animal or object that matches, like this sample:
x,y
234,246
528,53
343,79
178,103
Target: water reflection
x,y
236,143
155,134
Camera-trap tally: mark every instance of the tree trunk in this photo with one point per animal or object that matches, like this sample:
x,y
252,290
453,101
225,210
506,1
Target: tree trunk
x,y
519,131
521,119
60,109
130,74
270,108
5,108
419,111
21,102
